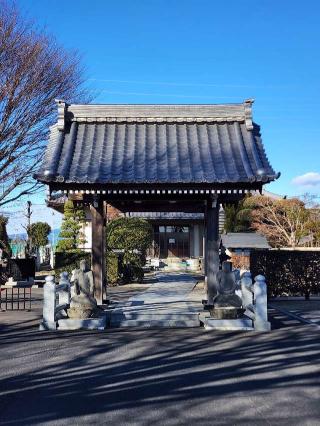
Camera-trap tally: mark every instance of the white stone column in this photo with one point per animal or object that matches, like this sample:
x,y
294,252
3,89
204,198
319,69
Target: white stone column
x,y
49,305
260,298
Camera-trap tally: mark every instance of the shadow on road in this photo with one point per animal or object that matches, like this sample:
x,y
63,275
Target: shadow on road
x,y
159,377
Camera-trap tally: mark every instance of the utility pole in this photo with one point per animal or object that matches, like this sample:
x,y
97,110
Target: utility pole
x,y
28,216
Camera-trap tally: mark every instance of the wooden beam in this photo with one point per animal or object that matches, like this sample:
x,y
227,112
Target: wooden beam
x,y
98,249
190,206
212,249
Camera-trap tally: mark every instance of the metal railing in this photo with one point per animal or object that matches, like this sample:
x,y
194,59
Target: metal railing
x,y
15,297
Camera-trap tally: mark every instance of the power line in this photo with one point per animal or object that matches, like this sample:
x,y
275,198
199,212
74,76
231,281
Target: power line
x,y
180,84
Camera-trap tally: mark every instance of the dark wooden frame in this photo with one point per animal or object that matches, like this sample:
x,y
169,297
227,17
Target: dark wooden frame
x,y
184,197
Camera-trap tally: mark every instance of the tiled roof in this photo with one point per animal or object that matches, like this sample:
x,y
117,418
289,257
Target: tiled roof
x,y
242,240
155,144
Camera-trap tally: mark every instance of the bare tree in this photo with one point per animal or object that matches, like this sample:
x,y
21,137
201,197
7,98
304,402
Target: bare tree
x,y
34,71
284,222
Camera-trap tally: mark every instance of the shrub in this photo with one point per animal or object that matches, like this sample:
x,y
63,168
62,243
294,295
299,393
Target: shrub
x,y
112,269
293,272
131,237
67,261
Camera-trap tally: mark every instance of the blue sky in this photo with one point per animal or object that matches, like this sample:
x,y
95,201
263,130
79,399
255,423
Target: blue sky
x,y
206,51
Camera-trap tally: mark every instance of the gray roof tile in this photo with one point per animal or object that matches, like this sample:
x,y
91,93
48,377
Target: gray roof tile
x,y
242,240
175,150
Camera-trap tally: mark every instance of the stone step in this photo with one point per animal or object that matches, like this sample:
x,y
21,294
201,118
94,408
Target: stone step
x,y
155,323
155,316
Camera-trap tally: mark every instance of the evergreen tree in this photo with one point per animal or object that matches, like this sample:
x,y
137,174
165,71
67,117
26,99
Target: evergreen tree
x,y
238,217
71,236
4,239
38,234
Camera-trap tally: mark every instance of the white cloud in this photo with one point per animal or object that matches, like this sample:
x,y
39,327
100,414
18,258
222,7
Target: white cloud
x,y
308,179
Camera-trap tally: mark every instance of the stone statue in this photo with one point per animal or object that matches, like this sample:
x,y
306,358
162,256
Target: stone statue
x,y
83,304
227,304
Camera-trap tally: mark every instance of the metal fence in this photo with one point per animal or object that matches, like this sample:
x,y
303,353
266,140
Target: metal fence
x,y
15,297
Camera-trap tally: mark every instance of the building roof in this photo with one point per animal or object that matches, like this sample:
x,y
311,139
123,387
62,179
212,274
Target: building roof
x,y
243,240
268,194
101,144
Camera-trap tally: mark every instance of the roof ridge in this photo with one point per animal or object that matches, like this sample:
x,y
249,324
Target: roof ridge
x,y
155,112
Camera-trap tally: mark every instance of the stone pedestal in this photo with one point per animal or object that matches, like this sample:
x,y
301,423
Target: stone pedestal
x,y
238,324
98,323
228,312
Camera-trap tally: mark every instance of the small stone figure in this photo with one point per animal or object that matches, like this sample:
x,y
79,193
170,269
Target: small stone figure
x,y
83,304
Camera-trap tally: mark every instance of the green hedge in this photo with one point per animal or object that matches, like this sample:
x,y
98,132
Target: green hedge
x,y
112,269
117,271
292,272
68,261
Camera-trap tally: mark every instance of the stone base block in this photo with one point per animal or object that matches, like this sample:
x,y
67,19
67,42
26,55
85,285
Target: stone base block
x,y
227,324
83,324
45,326
262,325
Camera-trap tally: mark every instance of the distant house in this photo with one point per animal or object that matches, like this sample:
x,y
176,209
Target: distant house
x,y
18,248
243,242
239,245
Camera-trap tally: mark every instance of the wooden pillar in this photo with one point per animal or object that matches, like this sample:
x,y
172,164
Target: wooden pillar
x,y
204,251
98,260
196,240
212,249
191,241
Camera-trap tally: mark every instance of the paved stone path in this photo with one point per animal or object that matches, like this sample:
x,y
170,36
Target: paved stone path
x,y
169,301
170,288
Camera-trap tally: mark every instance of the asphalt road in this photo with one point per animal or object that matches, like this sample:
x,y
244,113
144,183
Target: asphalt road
x,y
159,377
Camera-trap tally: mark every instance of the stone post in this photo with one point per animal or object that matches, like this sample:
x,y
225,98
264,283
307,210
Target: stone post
x,y
246,290
64,294
49,304
261,322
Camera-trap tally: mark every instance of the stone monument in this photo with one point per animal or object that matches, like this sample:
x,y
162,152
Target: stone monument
x,y
83,304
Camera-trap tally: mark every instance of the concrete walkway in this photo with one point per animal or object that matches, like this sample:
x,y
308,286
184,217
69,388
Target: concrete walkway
x,y
167,303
